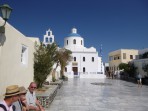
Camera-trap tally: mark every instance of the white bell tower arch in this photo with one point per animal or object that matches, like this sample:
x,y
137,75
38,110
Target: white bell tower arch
x,y
48,37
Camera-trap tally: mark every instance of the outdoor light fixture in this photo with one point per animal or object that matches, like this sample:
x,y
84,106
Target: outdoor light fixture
x,y
6,11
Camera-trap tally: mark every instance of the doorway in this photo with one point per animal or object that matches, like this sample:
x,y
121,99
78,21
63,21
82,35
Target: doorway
x,y
75,70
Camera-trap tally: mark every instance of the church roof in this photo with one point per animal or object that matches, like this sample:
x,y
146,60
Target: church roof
x,y
74,34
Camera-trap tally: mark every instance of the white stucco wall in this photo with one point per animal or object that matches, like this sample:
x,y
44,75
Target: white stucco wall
x,y
92,69
12,71
88,64
139,63
68,42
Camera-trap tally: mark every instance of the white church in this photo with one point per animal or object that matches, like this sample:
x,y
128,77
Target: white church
x,y
86,63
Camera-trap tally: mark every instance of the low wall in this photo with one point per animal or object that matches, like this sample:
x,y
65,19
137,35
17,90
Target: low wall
x,y
85,75
47,97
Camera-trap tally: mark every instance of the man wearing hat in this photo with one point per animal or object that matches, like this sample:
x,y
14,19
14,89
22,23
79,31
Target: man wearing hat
x,y
21,104
11,96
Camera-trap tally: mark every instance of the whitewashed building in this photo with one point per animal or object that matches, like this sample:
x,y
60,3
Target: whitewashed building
x,y
86,63
16,58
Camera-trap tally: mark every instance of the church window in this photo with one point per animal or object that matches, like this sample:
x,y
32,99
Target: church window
x,y
48,33
74,58
46,39
83,59
74,41
50,40
92,59
24,55
83,69
67,42
81,42
65,69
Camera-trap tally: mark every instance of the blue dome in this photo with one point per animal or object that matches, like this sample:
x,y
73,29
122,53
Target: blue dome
x,y
74,34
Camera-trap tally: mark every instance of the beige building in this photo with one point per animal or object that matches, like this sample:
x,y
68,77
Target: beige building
x,y
121,56
16,58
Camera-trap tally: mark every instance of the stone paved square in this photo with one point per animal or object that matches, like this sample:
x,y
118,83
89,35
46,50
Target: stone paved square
x,y
80,95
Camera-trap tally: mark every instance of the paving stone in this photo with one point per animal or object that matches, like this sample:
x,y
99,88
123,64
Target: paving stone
x,y
82,95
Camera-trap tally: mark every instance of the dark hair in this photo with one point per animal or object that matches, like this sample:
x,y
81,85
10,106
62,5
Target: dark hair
x,y
7,97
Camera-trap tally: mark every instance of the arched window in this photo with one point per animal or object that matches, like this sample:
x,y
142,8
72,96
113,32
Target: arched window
x,y
92,59
48,33
81,42
74,41
83,59
50,40
24,55
67,42
65,69
46,39
83,69
74,58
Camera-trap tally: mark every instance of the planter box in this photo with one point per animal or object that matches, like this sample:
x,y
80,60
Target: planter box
x,y
46,97
59,83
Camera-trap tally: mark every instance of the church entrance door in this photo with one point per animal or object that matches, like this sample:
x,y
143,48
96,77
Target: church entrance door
x,y
75,71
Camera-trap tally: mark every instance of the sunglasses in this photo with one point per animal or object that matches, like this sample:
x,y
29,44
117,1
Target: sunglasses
x,y
33,87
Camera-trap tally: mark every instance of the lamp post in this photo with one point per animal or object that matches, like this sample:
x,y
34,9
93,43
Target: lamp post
x,y
6,11
101,57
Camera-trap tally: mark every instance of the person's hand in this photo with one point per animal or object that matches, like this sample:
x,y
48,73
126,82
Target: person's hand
x,y
24,102
42,109
37,108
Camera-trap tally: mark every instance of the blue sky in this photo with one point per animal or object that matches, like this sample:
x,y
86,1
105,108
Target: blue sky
x,y
115,24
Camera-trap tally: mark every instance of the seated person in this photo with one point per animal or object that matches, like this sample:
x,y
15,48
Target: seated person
x,y
11,96
21,104
32,101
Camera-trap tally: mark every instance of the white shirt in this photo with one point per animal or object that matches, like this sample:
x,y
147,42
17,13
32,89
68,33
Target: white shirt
x,y
31,98
8,108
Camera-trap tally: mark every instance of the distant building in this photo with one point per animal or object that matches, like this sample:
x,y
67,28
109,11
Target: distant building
x,y
86,63
16,58
121,56
139,62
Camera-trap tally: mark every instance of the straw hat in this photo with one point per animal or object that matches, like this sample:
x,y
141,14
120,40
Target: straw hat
x,y
12,90
23,90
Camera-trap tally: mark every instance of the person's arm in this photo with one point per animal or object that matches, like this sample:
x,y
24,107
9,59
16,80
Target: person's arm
x,y
33,108
39,105
25,105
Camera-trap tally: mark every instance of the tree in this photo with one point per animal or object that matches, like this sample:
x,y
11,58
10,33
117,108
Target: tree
x,y
145,68
64,58
132,69
145,55
129,68
43,62
53,52
124,66
57,63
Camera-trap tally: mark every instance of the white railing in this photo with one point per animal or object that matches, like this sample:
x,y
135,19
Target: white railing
x,y
85,75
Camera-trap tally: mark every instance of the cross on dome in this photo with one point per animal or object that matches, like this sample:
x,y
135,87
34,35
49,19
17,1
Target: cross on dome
x,y
74,30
